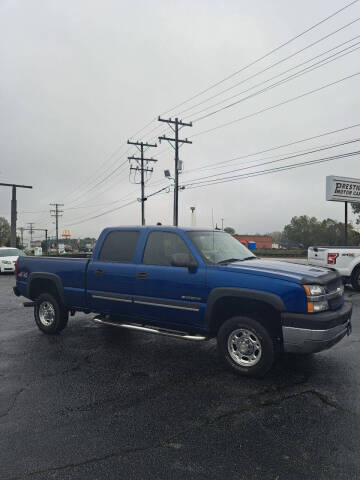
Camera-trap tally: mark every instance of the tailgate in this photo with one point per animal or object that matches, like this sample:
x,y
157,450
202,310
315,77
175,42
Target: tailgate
x,y
317,256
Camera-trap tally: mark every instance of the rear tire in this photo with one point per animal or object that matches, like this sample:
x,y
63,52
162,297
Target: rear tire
x,y
50,314
246,346
355,279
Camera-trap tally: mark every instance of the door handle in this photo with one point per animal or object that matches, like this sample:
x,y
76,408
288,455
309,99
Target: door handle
x,y
99,272
141,275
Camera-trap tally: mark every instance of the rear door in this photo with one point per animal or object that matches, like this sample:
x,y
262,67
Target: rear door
x,y
111,276
168,294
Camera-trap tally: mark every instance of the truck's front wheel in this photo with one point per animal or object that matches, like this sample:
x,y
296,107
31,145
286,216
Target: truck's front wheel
x,y
50,315
246,346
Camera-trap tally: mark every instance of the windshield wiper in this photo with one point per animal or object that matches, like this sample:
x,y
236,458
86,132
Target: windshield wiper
x,y
249,258
228,260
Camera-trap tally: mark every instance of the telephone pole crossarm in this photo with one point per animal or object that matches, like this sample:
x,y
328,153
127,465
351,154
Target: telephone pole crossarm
x,y
173,139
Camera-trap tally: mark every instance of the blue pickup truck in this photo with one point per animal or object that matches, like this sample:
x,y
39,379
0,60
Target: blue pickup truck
x,y
193,284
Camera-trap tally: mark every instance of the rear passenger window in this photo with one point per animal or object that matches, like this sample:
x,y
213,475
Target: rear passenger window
x,y
119,246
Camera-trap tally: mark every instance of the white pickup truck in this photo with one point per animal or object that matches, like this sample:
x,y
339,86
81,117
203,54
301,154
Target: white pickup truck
x,y
346,260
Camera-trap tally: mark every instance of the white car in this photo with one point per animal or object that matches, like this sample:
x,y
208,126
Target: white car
x,y
8,257
346,260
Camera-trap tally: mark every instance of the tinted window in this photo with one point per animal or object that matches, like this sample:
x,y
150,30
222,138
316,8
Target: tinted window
x,y
160,247
119,247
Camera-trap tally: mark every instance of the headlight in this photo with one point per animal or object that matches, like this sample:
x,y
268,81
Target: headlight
x,y
314,290
6,262
316,298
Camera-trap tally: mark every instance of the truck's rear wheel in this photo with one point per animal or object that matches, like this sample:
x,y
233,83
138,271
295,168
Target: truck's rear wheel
x,y
246,346
355,279
50,315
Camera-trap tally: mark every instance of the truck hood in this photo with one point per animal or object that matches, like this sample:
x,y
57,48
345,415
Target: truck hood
x,y
294,272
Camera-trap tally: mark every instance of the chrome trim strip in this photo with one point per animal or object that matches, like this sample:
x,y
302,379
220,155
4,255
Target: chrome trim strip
x,y
116,299
166,305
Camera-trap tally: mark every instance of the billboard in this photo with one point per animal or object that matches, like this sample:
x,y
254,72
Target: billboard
x,y
342,189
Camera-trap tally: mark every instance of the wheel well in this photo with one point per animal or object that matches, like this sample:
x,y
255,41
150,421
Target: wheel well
x,y
263,312
43,285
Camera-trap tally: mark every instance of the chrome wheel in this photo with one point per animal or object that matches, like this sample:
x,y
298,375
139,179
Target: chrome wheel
x,y
46,313
244,347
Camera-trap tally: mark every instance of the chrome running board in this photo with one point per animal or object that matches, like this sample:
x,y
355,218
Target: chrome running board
x,y
147,329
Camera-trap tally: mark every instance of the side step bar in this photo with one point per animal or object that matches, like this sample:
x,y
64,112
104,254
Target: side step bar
x,y
156,330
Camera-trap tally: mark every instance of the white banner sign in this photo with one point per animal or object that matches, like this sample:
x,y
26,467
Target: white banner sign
x,y
342,189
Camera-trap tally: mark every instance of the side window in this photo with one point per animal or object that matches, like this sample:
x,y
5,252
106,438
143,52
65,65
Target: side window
x,y
160,247
119,246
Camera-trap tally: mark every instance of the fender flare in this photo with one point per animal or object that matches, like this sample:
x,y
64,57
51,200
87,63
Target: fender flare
x,y
217,293
55,279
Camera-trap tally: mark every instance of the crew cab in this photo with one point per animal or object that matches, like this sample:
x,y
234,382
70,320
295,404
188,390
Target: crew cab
x,y
193,284
345,260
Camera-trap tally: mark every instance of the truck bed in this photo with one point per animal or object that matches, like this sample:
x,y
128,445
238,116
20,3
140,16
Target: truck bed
x,y
71,270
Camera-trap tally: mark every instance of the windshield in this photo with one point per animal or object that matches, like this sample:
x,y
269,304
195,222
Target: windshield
x,y
10,252
217,247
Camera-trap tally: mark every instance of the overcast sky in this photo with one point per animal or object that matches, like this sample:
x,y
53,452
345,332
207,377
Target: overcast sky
x,y
79,78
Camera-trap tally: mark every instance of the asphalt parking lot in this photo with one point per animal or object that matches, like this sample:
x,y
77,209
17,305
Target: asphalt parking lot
x,y
101,403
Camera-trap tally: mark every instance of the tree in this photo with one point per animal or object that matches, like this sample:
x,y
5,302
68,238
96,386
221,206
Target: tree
x,y
4,231
229,230
304,231
356,209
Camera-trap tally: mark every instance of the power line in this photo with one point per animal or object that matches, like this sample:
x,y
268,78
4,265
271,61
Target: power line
x,y
294,76
271,107
269,67
104,213
320,63
288,157
254,62
266,171
277,147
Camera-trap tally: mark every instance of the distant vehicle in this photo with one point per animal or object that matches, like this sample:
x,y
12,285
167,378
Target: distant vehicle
x,y
8,257
192,284
345,260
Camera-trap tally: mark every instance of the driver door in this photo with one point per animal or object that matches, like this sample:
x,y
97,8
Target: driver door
x,y
165,293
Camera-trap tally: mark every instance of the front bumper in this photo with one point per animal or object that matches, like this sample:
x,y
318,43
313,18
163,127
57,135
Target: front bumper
x,y
7,269
310,333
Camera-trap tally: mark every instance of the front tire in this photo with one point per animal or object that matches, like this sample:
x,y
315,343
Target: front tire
x,y
246,346
50,315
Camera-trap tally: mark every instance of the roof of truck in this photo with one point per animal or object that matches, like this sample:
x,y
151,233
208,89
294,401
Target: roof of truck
x,y
167,227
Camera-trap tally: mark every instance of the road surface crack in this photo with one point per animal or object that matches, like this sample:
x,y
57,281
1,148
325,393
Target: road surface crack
x,y
12,403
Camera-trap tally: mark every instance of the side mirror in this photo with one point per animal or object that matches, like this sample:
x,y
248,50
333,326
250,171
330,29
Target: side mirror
x,y
183,260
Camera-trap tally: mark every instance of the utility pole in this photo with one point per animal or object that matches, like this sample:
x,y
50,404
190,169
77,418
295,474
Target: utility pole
x,y
142,169
222,224
57,213
346,224
13,210
22,236
178,124
31,230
